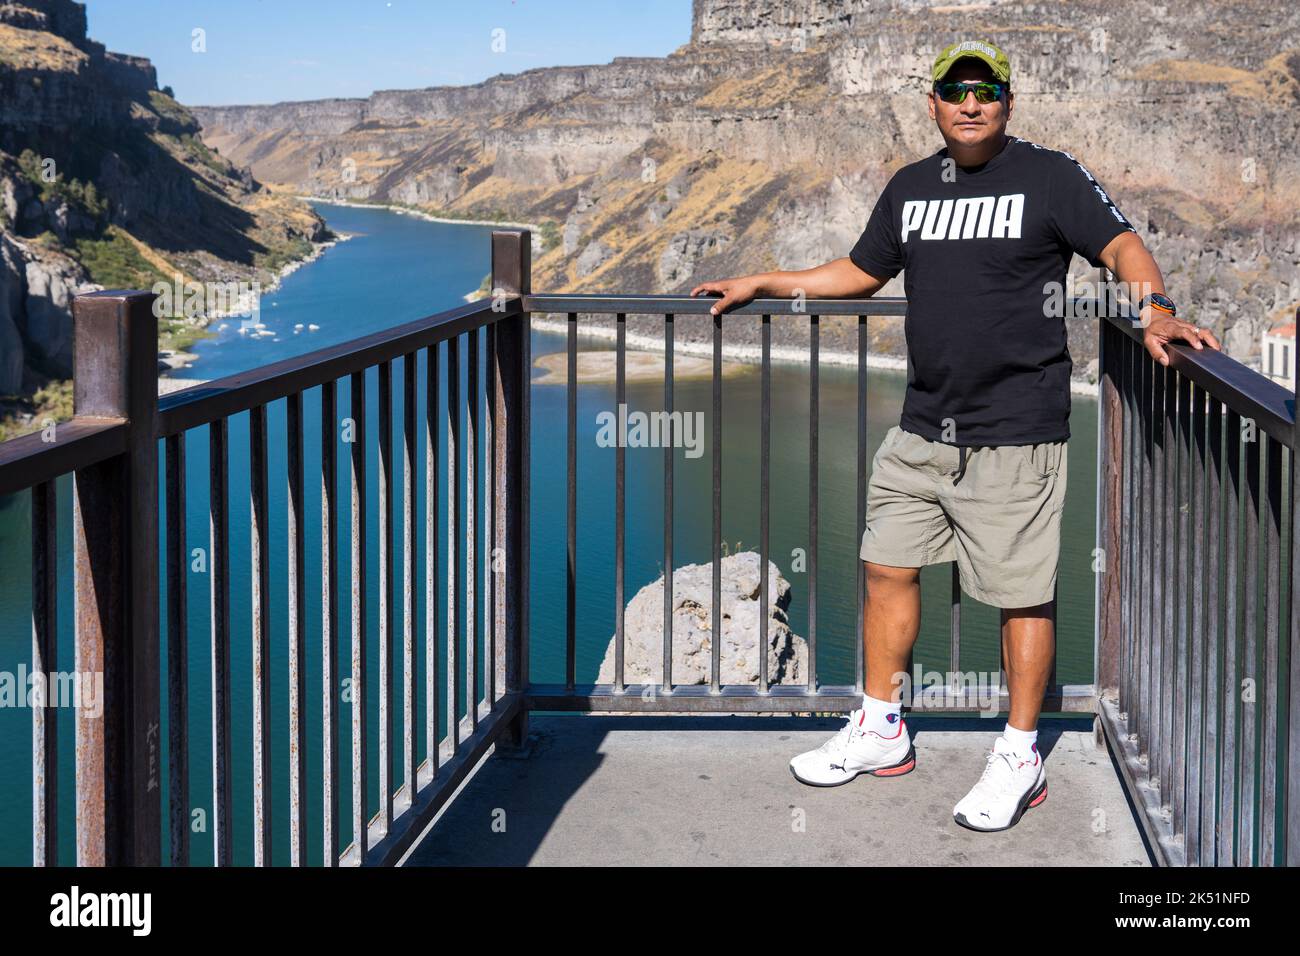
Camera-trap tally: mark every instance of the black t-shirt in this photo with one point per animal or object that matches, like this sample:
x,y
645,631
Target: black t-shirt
x,y
980,249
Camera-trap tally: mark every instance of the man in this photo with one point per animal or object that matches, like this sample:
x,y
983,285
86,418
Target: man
x,y
975,471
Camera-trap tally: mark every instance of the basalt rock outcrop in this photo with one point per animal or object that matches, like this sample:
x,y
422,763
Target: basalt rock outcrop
x,y
692,628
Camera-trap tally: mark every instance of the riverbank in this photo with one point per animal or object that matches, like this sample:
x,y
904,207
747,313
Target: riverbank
x,y
752,355
421,214
178,359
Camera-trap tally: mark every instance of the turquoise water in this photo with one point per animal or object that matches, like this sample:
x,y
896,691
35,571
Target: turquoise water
x,y
400,268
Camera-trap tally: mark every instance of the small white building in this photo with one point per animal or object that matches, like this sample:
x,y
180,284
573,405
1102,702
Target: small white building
x,y
1277,354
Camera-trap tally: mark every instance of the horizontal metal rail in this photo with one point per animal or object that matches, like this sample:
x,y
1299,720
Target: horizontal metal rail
x,y
200,404
700,305
30,460
1223,378
782,699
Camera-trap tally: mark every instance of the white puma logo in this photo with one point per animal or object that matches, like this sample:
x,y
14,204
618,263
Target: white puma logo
x,y
979,217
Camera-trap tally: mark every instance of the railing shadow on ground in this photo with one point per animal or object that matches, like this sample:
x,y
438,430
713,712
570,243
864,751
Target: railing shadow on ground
x,y
593,791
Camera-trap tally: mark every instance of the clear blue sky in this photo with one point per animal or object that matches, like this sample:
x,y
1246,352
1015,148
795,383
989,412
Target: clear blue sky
x,y
264,51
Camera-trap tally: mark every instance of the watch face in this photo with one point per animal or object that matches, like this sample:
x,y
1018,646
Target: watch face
x,y
1163,301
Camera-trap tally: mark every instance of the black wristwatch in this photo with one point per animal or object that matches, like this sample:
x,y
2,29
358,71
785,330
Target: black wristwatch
x,y
1161,302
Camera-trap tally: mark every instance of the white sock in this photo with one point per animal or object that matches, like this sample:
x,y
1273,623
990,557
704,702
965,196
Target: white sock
x,y
1021,741
882,716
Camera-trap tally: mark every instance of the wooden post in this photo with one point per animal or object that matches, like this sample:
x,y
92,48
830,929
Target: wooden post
x,y
115,553
511,275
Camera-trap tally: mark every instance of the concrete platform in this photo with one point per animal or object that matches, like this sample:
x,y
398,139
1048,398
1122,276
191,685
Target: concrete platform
x,y
717,790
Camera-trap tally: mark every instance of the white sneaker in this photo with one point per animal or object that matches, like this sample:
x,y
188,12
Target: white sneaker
x,y
854,750
1009,786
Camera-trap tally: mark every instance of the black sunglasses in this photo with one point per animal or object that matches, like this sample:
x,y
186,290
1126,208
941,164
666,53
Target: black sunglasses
x,y
986,92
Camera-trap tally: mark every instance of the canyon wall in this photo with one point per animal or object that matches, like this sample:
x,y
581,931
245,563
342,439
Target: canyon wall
x,y
763,142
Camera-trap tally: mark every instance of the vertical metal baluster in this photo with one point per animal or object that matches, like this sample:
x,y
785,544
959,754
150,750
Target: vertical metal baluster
x,y
571,504
490,623
297,636
261,579
864,332
1169,568
1291,758
813,421
1272,598
1134,531
360,768
1210,639
454,557
408,578
1178,796
1159,574
666,678
1230,688
329,621
385,596
1146,594
715,639
1249,767
45,636
432,684
1128,475
1291,767
620,489
1196,775
764,492
178,738
472,665
954,623
219,569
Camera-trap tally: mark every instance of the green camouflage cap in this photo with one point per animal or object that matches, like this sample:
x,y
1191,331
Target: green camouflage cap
x,y
977,49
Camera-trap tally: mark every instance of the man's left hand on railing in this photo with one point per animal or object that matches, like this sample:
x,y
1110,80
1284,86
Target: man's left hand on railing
x,y
1161,329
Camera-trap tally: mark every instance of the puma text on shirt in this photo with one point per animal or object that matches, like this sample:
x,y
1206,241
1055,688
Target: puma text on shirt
x,y
981,250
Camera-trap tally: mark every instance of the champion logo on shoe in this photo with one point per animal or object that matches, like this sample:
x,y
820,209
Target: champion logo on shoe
x,y
892,718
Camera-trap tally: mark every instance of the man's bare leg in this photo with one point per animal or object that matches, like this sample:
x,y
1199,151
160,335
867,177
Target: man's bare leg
x,y
1011,785
874,740
1028,644
891,620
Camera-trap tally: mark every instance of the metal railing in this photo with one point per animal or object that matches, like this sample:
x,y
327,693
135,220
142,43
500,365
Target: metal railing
x,y
765,696
111,450
1172,647
1199,616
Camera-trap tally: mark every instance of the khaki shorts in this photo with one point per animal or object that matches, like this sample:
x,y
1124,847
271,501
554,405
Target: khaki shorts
x,y
1001,522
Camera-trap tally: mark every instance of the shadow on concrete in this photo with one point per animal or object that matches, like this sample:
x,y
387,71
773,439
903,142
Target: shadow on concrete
x,y
716,790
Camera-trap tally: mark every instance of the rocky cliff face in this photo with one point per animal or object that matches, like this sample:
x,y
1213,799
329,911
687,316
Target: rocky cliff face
x,y
764,141
104,181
